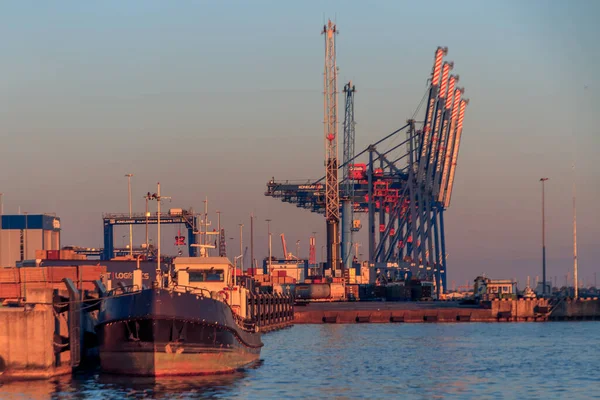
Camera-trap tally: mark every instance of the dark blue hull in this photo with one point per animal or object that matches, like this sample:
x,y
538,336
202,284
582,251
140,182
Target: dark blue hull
x,y
156,332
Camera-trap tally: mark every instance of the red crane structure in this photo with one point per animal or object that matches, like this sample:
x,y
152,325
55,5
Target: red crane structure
x,y
332,189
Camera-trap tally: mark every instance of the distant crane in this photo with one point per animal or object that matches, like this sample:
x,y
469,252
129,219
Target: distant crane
x,y
284,246
348,184
332,194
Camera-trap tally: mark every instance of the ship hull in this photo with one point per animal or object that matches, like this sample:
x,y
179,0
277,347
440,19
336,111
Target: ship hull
x,y
156,332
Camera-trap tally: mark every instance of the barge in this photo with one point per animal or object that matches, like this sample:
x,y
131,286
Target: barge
x,y
195,321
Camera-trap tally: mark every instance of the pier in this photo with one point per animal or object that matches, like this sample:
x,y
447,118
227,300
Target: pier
x,y
521,310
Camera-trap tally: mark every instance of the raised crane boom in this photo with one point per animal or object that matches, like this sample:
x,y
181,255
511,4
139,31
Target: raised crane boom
x,y
332,192
284,246
433,94
459,126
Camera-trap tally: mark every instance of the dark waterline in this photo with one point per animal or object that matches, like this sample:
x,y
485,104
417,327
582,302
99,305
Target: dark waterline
x,y
496,360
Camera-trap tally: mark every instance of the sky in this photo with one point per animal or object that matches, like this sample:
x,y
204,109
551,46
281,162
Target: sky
x,y
212,99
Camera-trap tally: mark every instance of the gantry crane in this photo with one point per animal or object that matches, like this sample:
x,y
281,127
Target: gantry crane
x,y
405,194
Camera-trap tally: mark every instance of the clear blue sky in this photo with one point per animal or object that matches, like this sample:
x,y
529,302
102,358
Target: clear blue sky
x,y
214,98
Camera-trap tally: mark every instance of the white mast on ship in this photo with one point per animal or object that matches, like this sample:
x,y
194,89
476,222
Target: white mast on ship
x,y
203,246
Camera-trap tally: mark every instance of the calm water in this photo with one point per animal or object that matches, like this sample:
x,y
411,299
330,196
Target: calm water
x,y
527,360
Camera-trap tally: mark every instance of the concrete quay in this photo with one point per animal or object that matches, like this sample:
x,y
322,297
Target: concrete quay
x,y
32,339
522,310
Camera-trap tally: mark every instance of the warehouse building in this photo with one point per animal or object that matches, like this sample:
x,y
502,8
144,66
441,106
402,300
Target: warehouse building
x,y
21,235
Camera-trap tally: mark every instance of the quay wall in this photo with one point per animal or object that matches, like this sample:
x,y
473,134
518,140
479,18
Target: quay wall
x,y
27,340
577,309
505,310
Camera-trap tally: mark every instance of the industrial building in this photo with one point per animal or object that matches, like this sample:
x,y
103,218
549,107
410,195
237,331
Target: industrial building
x,y
21,235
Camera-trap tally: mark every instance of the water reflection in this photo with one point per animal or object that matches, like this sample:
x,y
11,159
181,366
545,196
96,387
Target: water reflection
x,y
95,385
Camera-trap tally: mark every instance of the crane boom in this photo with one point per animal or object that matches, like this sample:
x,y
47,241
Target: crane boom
x,y
450,145
433,93
284,246
439,163
332,192
435,133
459,126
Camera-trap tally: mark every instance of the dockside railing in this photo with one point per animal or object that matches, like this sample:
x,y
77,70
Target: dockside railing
x,y
271,310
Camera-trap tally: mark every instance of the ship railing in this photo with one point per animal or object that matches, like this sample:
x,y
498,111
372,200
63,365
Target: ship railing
x,y
245,323
192,290
123,289
268,310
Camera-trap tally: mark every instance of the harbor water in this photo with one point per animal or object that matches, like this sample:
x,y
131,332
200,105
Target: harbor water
x,y
371,361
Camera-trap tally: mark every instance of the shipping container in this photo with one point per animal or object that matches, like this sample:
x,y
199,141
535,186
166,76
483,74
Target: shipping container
x,y
10,291
90,273
281,273
338,291
40,254
9,275
53,255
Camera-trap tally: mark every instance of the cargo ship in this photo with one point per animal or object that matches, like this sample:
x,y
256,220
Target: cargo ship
x,y
193,321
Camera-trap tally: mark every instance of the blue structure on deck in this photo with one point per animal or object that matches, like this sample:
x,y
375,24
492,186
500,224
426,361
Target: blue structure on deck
x,y
111,220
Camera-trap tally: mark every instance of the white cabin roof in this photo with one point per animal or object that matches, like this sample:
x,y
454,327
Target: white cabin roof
x,y
201,260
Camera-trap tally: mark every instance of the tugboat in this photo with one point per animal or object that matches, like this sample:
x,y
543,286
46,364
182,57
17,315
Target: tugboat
x,y
194,322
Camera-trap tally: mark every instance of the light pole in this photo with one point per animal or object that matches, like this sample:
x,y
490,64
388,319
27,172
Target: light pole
x,y
130,226
252,242
26,226
575,280
219,228
147,197
269,237
241,248
156,196
298,249
543,238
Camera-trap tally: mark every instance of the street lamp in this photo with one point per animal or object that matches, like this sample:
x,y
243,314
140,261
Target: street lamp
x,y
219,228
269,237
241,248
543,238
156,196
128,176
298,249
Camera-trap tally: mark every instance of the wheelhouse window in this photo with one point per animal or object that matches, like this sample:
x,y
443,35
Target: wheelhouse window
x,y
212,275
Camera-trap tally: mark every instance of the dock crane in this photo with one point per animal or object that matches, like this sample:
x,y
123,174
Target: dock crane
x,y
404,195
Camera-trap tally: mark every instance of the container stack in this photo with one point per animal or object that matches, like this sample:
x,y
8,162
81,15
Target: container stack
x,y
58,255
15,281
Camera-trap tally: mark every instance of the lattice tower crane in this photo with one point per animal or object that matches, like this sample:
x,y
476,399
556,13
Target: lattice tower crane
x,y
348,185
332,194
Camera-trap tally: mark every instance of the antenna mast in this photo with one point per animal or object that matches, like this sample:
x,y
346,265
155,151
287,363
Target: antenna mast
x,y
332,193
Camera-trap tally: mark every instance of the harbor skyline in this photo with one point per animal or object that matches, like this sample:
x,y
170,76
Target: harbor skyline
x,y
85,101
